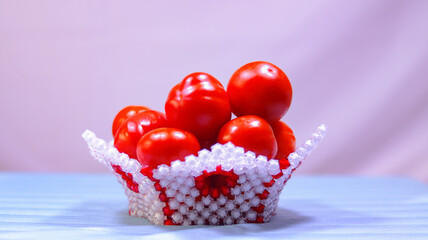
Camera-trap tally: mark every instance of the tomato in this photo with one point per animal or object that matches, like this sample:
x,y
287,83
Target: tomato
x,y
124,114
130,132
285,139
199,104
260,88
252,133
165,145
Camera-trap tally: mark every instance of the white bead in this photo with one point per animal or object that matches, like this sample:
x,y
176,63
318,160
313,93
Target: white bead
x,y
244,207
273,167
177,218
194,192
192,215
174,204
251,215
179,197
221,213
213,220
206,200
228,221
236,214
213,207
189,201
199,206
183,209
230,205
239,199
222,200
200,221
205,213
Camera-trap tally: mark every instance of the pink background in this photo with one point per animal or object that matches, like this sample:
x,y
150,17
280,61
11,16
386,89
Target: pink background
x,y
360,67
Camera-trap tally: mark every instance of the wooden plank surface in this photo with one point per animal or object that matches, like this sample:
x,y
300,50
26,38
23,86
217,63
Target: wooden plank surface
x,y
82,206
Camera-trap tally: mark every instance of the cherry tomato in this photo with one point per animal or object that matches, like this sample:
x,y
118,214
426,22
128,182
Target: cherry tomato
x,y
165,145
260,88
134,128
124,114
252,133
285,139
199,104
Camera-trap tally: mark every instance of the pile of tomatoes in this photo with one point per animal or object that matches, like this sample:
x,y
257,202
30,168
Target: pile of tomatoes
x,y
198,114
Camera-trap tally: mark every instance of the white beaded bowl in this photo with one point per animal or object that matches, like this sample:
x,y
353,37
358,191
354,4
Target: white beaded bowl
x,y
219,187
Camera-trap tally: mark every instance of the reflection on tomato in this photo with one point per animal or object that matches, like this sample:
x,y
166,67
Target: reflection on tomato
x,y
260,88
252,133
285,139
199,104
124,114
134,128
165,145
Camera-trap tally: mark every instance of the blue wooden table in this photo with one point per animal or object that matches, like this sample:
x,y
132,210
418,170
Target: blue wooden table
x,y
82,206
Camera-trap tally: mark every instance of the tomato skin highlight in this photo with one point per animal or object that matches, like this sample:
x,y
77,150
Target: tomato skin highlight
x,y
200,105
134,128
165,145
262,89
252,133
124,114
285,139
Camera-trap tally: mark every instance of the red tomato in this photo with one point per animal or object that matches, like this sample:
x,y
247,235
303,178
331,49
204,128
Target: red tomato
x,y
134,128
200,105
252,133
285,139
124,114
260,88
165,145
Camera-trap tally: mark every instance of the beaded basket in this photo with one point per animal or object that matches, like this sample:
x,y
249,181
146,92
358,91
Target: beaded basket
x,y
219,187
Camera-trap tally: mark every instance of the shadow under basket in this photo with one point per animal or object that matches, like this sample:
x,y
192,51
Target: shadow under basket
x,y
219,187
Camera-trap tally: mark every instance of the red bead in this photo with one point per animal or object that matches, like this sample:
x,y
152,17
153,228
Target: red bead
x,y
260,219
163,197
269,184
148,172
283,163
263,195
158,187
215,193
199,185
224,190
278,175
169,222
259,209
168,211
205,191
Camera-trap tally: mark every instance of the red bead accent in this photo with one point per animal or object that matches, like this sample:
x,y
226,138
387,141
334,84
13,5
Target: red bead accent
x,y
169,222
148,172
283,163
205,191
260,219
278,175
163,197
224,190
263,195
127,177
215,193
158,187
269,184
168,211
259,209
